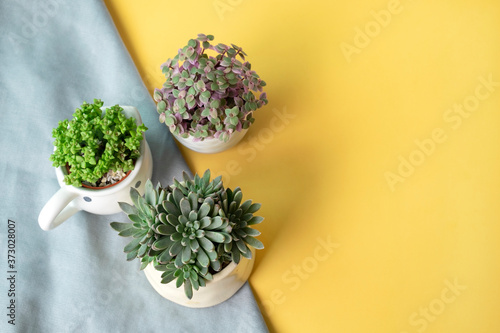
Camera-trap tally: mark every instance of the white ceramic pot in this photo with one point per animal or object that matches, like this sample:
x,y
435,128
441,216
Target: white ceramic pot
x,y
223,285
212,145
68,200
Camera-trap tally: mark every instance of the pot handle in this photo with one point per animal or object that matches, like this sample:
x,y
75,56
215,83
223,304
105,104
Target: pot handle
x,y
58,209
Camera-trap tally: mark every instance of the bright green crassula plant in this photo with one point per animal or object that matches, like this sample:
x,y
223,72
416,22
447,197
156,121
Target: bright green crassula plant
x,y
189,230
94,143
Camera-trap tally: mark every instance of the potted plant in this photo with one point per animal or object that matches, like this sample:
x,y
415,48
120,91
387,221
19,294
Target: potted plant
x,y
98,155
208,101
195,234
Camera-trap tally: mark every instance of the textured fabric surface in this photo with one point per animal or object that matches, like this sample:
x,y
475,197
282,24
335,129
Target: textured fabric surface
x,y
54,55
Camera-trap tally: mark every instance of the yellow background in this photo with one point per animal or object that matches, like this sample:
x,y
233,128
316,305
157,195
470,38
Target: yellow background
x,y
346,107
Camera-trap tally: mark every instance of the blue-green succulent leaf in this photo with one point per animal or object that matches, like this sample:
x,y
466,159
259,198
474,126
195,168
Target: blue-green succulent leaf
x,y
254,242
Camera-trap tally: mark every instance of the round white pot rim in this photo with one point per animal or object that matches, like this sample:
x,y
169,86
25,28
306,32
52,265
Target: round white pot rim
x,y
125,183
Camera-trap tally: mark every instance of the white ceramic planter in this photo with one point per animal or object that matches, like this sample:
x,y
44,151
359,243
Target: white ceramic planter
x,y
68,200
210,146
224,285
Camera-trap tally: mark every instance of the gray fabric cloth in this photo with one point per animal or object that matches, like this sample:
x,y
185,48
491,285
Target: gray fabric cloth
x,y
54,55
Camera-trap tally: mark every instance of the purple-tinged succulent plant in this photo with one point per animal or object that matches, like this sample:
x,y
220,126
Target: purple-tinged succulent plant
x,y
209,96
